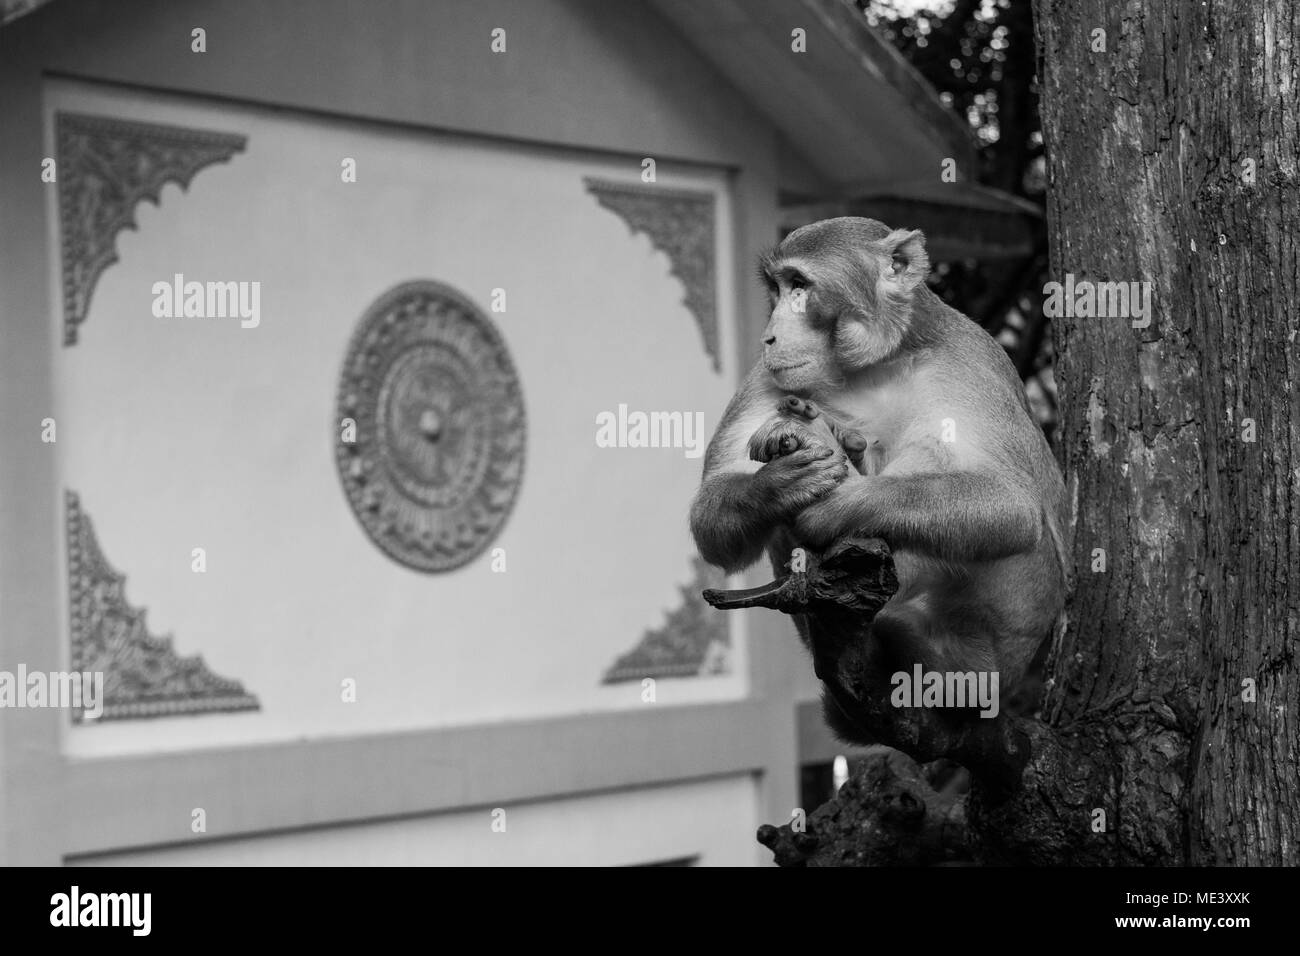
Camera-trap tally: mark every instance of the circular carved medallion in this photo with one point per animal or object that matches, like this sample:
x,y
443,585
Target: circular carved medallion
x,y
438,454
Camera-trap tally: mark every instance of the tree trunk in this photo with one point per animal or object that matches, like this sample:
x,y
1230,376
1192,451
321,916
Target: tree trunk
x,y
1148,180
1173,703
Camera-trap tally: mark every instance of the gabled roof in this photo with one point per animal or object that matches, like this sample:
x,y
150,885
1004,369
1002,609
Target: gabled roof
x,y
13,9
857,112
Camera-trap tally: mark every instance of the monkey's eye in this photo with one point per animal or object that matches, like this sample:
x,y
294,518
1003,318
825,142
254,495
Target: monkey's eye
x,y
798,283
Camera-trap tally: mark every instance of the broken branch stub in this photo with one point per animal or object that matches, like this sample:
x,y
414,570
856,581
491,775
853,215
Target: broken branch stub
x,y
834,601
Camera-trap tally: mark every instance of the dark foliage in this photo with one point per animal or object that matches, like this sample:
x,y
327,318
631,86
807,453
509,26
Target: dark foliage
x,y
979,55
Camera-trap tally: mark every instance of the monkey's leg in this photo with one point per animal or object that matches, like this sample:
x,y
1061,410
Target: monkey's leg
x,y
841,607
859,684
833,600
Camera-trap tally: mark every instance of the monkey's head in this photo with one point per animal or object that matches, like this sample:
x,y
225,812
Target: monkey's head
x,y
842,292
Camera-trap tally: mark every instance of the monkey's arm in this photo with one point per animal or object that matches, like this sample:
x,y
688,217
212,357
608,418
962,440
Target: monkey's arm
x,y
959,515
729,521
740,504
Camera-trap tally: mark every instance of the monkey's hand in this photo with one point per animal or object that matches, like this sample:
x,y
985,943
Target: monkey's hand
x,y
789,484
799,423
831,516
781,436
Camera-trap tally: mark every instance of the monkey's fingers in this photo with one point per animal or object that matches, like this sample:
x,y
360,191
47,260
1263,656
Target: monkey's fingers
x,y
807,482
810,456
794,405
778,438
766,443
855,441
855,445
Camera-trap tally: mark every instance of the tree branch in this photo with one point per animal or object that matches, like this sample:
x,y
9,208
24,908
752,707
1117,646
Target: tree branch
x,y
1034,788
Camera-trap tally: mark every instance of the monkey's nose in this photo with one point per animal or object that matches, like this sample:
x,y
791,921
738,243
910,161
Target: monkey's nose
x,y
770,340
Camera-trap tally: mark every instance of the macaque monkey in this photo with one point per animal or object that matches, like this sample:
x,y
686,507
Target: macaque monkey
x,y
925,440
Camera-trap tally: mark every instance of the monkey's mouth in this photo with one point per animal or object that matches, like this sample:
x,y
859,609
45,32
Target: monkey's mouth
x,y
776,370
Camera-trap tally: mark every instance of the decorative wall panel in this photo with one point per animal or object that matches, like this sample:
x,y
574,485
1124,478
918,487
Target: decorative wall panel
x,y
143,675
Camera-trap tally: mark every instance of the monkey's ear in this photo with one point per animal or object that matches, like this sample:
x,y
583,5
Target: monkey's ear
x,y
909,263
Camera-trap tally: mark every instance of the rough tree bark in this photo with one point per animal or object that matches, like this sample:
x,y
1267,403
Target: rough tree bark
x,y
1150,145
1181,449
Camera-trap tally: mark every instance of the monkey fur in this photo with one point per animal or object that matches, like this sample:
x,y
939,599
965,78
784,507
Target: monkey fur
x,y
897,417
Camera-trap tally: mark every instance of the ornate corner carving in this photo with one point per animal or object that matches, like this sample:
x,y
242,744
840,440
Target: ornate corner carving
x,y
694,640
106,167
680,224
143,675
